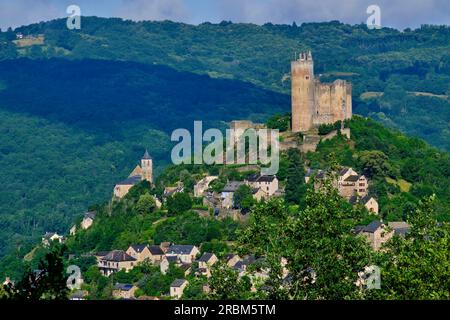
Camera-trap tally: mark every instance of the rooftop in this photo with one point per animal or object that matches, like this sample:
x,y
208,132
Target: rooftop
x,y
180,249
206,257
123,286
130,181
155,250
146,156
373,226
178,283
118,256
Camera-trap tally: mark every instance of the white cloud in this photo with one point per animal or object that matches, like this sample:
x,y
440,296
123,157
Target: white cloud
x,y
396,13
153,10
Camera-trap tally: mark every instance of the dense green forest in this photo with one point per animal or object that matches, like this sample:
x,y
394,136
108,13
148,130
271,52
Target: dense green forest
x,y
77,112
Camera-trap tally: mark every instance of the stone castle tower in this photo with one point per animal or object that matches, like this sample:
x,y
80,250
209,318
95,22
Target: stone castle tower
x,y
147,167
315,103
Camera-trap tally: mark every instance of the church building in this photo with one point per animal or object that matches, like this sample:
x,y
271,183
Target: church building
x,y
140,173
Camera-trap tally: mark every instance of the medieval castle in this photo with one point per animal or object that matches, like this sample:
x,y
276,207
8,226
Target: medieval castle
x,y
315,103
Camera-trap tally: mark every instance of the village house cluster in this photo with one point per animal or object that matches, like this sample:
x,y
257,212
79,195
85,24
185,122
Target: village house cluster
x,y
349,184
186,257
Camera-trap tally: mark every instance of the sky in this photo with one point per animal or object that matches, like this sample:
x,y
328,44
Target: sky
x,y
398,14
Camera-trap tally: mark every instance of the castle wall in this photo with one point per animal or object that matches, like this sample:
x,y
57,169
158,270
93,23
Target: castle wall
x,y
315,103
302,94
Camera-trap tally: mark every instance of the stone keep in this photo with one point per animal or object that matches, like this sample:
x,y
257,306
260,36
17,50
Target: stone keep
x,y
315,103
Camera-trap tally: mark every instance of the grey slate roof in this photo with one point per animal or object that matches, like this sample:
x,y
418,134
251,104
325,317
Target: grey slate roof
x,y
90,214
239,265
118,256
266,178
172,259
101,253
259,178
178,283
353,178
155,250
320,174
358,229
372,227
206,257
365,199
146,156
48,235
123,286
353,200
130,181
180,249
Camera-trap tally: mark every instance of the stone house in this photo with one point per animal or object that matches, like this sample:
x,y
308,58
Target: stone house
x,y
143,252
206,261
177,288
100,255
49,237
370,203
231,259
376,233
186,253
350,183
88,220
115,261
269,184
124,291
86,223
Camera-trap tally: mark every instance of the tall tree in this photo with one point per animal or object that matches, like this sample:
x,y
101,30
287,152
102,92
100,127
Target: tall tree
x,y
49,282
295,185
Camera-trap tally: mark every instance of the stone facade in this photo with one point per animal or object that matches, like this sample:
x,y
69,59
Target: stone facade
x,y
177,287
315,103
376,233
140,173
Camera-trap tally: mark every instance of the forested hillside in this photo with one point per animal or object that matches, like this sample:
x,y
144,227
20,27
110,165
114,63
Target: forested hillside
x,y
385,66
77,110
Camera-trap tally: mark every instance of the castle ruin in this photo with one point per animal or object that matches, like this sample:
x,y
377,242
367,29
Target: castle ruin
x,y
315,103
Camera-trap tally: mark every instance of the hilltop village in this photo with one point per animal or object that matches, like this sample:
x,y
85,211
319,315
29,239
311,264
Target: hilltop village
x,y
220,196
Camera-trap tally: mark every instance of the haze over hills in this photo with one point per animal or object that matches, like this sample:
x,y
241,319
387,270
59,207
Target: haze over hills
x,y
78,107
